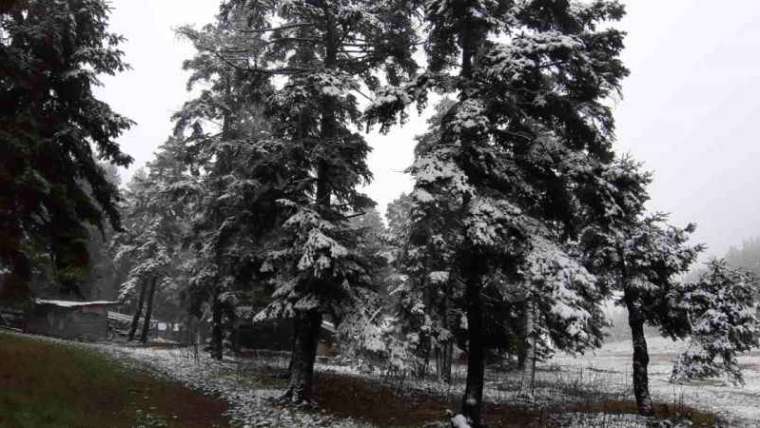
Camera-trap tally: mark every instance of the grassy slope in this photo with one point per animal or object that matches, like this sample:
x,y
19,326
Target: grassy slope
x,y
44,384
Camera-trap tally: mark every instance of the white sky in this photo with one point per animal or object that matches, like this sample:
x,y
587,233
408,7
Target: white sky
x,y
690,107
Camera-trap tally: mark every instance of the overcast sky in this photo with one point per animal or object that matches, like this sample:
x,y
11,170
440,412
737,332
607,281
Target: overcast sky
x,y
690,111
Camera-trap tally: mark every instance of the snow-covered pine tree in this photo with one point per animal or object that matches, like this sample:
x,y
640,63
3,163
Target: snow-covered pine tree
x,y
426,315
640,258
320,53
562,293
398,215
721,306
155,224
240,170
51,54
365,334
531,78
130,288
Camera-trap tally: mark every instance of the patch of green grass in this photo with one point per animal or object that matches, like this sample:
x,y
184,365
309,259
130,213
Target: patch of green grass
x,y
45,384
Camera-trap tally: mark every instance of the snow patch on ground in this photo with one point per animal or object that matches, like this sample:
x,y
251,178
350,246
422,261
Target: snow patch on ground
x,y
459,421
612,364
249,406
561,381
606,420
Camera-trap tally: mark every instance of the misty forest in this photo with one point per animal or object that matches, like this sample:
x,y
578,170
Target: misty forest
x,y
244,276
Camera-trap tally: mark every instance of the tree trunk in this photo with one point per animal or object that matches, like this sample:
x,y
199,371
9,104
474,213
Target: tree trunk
x,y
306,338
472,403
235,341
523,344
138,311
439,362
148,312
426,346
640,357
217,340
443,347
448,346
529,365
447,357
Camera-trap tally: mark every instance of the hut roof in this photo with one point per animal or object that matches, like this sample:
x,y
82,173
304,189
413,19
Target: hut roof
x,y
74,304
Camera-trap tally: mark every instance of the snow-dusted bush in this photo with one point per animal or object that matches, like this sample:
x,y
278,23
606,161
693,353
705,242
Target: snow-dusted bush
x,y
723,316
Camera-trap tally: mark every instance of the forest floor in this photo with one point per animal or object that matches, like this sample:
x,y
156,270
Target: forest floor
x,y
49,383
590,391
345,397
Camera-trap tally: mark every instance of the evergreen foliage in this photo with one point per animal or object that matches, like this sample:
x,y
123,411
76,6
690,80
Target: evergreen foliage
x,y
529,131
155,224
722,312
322,53
52,132
239,174
522,223
639,259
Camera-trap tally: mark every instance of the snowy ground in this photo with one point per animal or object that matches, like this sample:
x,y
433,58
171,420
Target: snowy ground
x,y
611,367
250,402
563,381
560,383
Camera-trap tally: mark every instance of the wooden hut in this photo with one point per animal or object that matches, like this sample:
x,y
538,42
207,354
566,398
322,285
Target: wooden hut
x,y
70,319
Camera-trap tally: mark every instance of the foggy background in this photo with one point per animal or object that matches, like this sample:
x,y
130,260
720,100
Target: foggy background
x,y
689,111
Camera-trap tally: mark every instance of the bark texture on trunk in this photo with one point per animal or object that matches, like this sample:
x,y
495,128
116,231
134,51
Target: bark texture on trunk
x,y
235,339
522,330
444,347
148,311
443,356
138,312
472,402
529,367
306,339
217,340
426,346
640,357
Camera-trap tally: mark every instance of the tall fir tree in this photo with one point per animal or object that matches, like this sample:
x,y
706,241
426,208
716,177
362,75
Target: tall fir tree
x,y
51,55
155,225
640,258
240,171
529,127
321,53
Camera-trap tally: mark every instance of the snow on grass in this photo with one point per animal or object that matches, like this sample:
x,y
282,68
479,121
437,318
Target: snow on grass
x,y
250,404
605,420
562,381
612,365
